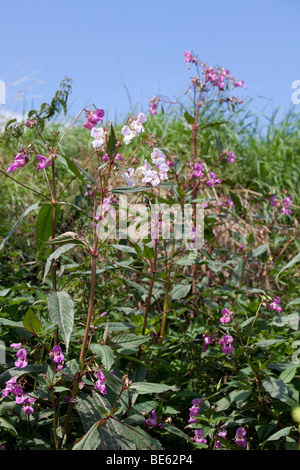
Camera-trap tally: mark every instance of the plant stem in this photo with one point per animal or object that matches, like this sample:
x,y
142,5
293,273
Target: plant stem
x,y
90,309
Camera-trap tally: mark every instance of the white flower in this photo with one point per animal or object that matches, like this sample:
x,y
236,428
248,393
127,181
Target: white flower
x,y
158,157
151,176
128,177
98,135
144,168
128,134
142,118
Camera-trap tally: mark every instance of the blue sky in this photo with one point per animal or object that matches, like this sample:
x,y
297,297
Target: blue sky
x,y
122,52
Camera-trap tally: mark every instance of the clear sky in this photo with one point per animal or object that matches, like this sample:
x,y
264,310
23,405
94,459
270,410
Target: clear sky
x,y
121,51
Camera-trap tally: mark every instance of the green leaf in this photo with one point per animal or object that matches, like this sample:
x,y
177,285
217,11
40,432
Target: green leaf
x,y
26,212
106,354
112,142
278,389
259,250
148,387
131,189
31,322
5,424
128,340
55,255
85,173
180,291
283,432
174,430
61,310
44,224
189,118
288,374
68,237
90,441
291,263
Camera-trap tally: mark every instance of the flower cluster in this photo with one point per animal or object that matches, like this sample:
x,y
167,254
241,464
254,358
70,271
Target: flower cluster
x,y
213,180
198,171
57,356
21,354
12,387
284,204
22,159
223,434
136,127
230,157
194,410
93,117
225,342
100,383
275,305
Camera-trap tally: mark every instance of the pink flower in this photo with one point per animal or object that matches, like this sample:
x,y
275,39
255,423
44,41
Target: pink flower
x,y
226,341
198,171
57,355
199,436
100,383
93,118
88,191
272,200
231,157
152,422
20,161
213,180
226,316
43,162
105,158
207,340
22,360
9,386
187,56
239,84
194,410
240,437
16,345
27,405
275,305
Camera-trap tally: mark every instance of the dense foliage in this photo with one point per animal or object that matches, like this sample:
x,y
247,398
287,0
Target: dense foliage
x,y
150,341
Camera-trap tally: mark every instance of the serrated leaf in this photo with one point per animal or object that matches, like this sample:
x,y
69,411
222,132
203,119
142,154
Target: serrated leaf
x,y
90,441
112,142
31,322
44,224
68,237
55,255
148,387
61,310
288,374
85,173
128,340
